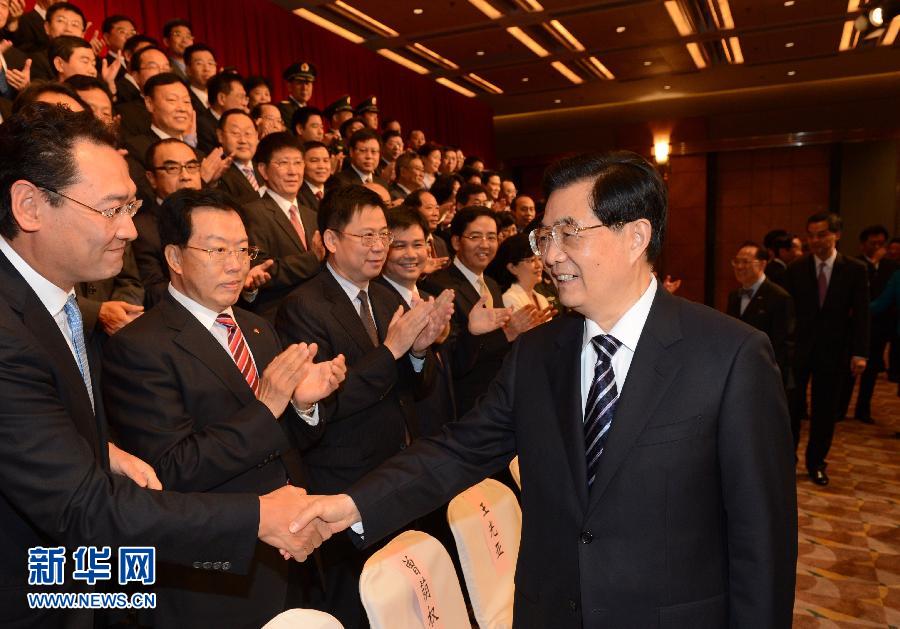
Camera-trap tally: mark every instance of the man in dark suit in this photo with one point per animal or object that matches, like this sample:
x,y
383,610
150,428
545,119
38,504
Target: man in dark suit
x,y
221,408
372,416
424,203
127,87
172,165
763,304
785,249
145,63
237,136
290,251
476,357
63,221
200,67
652,434
177,36
112,303
872,241
365,151
31,34
316,171
62,18
831,298
115,31
409,176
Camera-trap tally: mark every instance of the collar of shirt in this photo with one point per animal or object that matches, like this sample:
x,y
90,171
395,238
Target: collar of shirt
x,y
3,65
162,134
755,286
52,296
203,95
41,12
361,174
349,287
131,80
829,263
474,278
175,61
215,114
296,102
314,187
204,315
407,294
403,188
284,204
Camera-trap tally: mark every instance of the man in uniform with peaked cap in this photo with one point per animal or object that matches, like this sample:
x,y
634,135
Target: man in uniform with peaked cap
x,y
300,77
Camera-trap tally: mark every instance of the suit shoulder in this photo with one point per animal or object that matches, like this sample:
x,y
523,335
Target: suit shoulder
x,y
384,293
145,330
700,323
775,290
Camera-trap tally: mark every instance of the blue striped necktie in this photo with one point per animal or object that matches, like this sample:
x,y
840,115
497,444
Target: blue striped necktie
x,y
601,403
76,328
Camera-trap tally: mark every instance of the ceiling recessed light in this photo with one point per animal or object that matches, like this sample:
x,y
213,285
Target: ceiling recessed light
x,y
418,11
667,87
620,29
791,72
558,101
647,63
788,3
480,53
524,79
789,44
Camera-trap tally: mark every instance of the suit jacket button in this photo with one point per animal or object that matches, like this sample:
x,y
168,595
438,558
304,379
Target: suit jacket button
x,y
207,565
573,606
587,537
217,565
226,565
197,564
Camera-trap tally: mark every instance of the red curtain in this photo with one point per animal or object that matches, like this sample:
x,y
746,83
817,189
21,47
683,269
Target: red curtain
x,y
260,37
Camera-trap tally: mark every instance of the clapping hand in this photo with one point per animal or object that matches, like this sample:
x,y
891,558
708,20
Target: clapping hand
x,y
320,380
483,319
258,275
441,311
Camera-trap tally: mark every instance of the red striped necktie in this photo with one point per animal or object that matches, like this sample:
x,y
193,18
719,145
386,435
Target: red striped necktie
x,y
239,351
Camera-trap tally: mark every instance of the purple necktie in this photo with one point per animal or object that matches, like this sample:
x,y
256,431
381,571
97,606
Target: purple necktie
x,y
823,284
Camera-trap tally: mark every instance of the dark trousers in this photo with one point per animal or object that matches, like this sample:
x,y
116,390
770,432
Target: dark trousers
x,y
825,399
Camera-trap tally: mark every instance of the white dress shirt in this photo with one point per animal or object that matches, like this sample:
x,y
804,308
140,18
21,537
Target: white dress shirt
x,y
407,295
829,265
285,205
50,295
627,331
207,319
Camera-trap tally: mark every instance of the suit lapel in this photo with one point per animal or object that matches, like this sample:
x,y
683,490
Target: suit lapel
x,y
282,221
564,377
837,273
345,312
652,371
199,342
464,288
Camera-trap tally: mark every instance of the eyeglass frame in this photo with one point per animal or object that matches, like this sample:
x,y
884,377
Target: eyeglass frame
x,y
130,208
557,226
182,166
250,253
371,238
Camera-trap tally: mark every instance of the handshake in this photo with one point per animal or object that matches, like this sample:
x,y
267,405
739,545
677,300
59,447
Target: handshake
x,y
297,523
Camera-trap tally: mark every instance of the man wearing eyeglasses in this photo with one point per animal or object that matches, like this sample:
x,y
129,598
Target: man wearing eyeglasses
x,y
220,408
372,416
66,202
281,226
237,136
763,304
653,436
173,165
365,153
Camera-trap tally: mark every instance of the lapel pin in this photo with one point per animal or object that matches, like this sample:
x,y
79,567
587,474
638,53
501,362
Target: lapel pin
x,y
256,330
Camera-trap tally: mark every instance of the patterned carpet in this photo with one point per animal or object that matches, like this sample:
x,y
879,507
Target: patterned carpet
x,y
848,569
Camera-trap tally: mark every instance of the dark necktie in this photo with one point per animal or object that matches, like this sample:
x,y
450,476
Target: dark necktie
x,y
823,284
5,89
365,314
601,403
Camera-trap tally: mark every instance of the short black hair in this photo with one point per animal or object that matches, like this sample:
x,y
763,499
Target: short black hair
x,y
150,155
195,48
390,133
471,161
302,116
341,203
346,125
511,251
428,148
257,111
273,143
469,190
171,25
467,172
221,84
404,161
53,9
835,222
626,187
466,215
159,80
84,83
414,199
363,135
111,20
442,188
761,252
36,89
136,40
313,144
873,230
404,217
487,174
781,242
63,47
228,113
771,236
256,80
517,198
175,227
36,144
504,220
135,64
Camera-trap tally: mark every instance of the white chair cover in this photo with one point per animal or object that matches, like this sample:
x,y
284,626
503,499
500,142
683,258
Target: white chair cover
x,y
411,584
303,619
486,522
514,470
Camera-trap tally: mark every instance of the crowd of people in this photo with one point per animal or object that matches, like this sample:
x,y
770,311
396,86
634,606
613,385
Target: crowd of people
x,y
359,285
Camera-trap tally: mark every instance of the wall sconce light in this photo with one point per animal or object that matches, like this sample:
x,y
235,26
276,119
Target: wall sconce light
x,y
661,152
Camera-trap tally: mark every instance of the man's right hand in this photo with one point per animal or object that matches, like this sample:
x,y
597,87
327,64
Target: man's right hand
x,y
278,512
483,319
284,373
337,512
115,315
258,276
214,165
406,326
